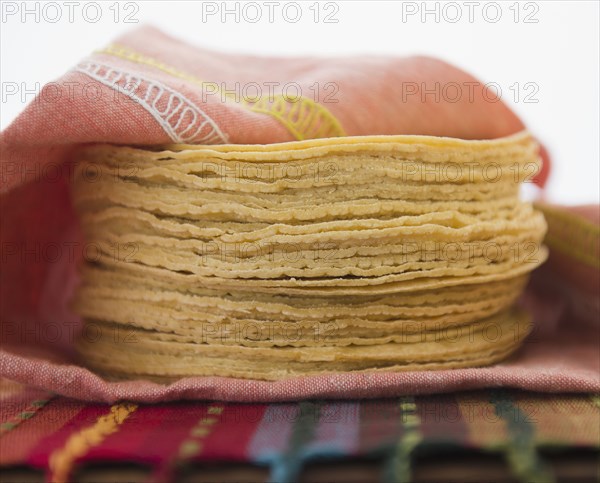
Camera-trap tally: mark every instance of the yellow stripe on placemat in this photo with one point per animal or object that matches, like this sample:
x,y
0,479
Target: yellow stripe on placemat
x,y
303,117
401,463
193,445
62,460
572,234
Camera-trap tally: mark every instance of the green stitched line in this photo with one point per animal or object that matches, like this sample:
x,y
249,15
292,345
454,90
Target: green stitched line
x,y
521,451
24,415
288,468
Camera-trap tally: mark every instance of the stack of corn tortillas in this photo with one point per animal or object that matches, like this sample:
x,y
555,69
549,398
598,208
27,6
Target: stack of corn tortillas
x,y
384,253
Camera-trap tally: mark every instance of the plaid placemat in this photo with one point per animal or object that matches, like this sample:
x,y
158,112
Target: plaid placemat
x,y
58,435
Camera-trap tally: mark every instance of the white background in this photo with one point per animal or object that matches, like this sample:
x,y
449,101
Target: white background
x,y
559,53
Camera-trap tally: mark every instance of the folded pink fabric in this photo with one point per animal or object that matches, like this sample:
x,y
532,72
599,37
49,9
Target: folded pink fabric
x,y
566,361
148,88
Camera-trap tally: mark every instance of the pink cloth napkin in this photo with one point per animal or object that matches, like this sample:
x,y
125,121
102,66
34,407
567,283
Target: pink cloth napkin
x,y
148,88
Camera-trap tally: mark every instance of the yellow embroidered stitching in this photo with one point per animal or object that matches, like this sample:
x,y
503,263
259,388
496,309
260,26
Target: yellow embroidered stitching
x,y
573,235
194,444
570,218
568,248
410,439
61,461
304,118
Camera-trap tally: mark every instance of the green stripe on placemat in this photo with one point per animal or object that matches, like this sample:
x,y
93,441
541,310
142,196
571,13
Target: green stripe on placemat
x,y
290,465
520,449
393,432
24,415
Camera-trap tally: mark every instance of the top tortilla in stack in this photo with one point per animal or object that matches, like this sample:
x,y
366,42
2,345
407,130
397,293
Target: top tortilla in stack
x,y
329,255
